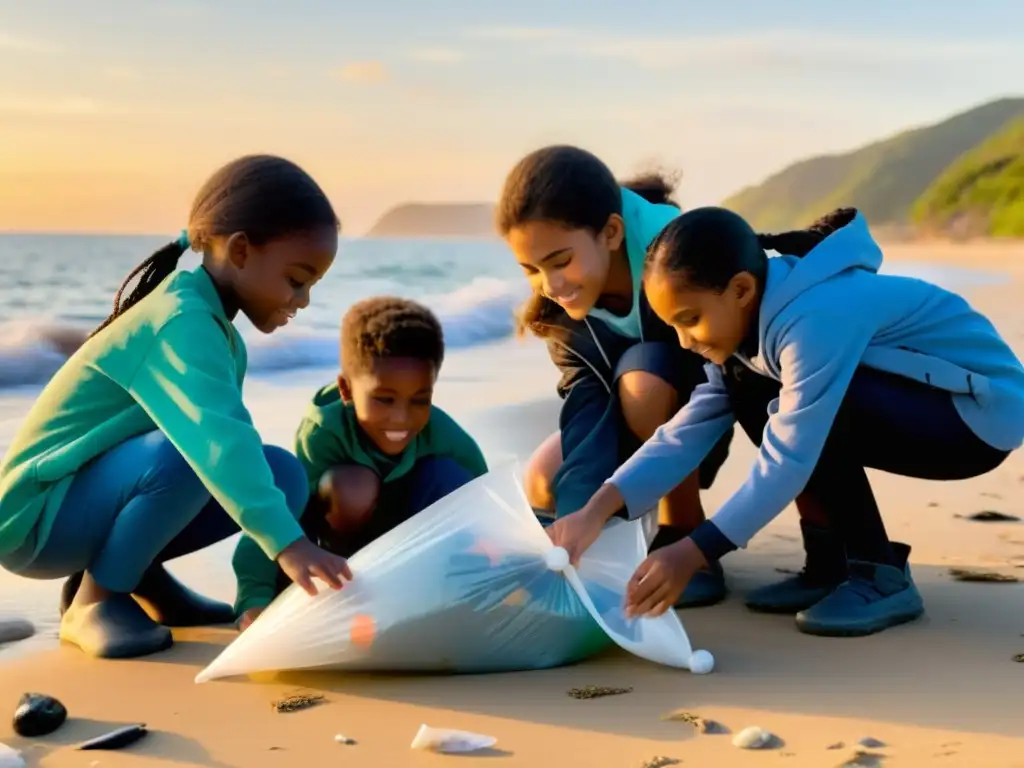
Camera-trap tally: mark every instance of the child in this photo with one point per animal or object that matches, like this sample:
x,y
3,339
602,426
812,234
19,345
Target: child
x,y
139,449
581,239
376,452
831,368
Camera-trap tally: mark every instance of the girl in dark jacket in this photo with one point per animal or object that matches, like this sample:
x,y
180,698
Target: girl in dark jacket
x,y
581,238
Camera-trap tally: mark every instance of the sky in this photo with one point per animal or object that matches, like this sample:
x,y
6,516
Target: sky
x,y
113,112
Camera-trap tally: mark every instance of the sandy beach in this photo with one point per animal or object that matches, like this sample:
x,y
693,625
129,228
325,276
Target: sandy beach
x,y
942,691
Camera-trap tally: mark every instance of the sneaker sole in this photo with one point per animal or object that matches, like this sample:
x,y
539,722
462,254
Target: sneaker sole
x,y
836,631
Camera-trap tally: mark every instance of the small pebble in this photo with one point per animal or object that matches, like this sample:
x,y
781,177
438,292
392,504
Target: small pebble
x,y
752,738
871,743
837,745
344,740
862,759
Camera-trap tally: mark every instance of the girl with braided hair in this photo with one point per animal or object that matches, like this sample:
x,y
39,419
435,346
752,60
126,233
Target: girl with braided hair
x,y
140,450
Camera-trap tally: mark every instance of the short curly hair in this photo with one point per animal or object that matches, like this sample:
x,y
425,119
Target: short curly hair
x,y
389,326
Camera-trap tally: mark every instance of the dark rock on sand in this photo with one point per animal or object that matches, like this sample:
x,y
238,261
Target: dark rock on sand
x,y
38,715
991,516
12,630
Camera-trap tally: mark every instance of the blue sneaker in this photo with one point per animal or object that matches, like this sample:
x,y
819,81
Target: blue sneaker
x,y
874,598
825,569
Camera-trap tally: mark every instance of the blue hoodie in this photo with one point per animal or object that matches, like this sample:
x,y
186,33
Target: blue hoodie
x,y
821,317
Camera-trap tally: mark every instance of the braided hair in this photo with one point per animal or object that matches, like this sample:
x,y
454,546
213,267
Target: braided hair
x,y
264,196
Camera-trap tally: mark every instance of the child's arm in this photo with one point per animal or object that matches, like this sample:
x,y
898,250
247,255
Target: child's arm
x,y
586,407
317,449
255,576
818,356
677,447
187,383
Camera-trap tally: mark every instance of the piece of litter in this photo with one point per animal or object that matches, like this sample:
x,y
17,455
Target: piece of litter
x,y
297,701
871,743
966,574
701,724
449,741
10,757
752,738
117,739
1019,658
596,692
94,764
344,740
660,762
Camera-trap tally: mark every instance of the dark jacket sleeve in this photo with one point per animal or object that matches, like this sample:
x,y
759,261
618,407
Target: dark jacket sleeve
x,y
588,421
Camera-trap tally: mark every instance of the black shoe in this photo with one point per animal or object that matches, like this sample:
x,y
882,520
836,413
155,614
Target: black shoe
x,y
172,604
115,628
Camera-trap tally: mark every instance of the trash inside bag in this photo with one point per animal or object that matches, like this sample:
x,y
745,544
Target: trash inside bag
x,y
471,584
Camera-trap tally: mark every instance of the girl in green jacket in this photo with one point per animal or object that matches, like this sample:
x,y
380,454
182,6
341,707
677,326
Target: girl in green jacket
x,y
140,450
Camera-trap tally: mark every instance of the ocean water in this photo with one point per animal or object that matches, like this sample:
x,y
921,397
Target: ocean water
x,y
501,388
50,285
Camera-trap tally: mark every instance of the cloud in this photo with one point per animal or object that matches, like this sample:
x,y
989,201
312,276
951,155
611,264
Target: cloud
x,y
64,107
437,55
518,34
368,72
20,44
781,48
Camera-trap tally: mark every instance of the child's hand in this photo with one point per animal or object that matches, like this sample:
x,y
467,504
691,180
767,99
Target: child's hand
x,y
661,578
575,533
302,560
249,617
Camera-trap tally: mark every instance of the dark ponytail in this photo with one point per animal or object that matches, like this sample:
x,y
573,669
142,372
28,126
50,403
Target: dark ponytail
x,y
800,242
264,196
709,246
571,187
151,273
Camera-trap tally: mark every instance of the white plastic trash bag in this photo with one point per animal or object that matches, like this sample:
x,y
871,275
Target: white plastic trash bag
x,y
471,584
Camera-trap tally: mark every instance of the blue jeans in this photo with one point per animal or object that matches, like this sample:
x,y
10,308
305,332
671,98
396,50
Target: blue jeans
x,y
138,504
431,479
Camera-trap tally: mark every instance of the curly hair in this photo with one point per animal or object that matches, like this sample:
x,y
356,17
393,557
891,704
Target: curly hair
x,y
389,326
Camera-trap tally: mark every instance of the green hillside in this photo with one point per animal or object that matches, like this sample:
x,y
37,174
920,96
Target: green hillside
x,y
982,193
883,179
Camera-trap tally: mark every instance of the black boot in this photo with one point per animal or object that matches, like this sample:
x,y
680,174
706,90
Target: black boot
x,y
825,569
172,604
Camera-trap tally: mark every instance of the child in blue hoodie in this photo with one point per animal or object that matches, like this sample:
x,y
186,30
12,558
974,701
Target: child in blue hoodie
x,y
581,239
830,367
